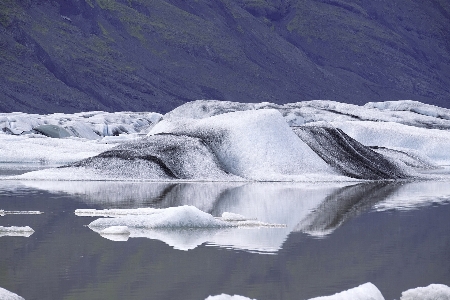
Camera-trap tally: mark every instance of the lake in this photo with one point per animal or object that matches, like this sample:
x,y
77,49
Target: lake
x,y
337,236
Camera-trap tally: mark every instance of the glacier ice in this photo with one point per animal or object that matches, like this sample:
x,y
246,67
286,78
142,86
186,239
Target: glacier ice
x,y
7,295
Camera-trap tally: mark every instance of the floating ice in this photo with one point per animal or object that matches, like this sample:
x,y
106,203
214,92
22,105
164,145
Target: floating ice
x,y
228,297
184,227
431,292
7,295
366,291
14,212
25,231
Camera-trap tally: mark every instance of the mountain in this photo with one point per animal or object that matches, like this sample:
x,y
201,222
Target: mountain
x,y
113,55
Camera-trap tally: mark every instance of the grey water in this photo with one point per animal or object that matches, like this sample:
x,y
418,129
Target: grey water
x,y
337,236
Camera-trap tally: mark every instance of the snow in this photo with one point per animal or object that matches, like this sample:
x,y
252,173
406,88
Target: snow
x,y
431,292
25,231
7,295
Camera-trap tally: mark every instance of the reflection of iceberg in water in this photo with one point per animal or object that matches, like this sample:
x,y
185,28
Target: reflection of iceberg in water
x,y
313,208
345,204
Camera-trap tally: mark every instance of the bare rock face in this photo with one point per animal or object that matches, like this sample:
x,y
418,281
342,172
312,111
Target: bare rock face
x,y
80,55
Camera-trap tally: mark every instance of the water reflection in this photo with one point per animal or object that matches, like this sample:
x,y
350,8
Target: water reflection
x,y
316,209
64,259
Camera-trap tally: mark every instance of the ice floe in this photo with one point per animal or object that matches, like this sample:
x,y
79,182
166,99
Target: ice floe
x,y
183,228
7,295
25,231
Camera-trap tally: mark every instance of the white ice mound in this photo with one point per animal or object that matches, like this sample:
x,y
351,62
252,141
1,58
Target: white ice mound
x,y
7,295
254,144
24,231
366,291
431,292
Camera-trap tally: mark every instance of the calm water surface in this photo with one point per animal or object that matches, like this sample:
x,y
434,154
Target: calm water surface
x,y
337,236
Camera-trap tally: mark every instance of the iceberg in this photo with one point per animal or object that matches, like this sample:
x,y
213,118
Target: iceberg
x,y
7,295
431,292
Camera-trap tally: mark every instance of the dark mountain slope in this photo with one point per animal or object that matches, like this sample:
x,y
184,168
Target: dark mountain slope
x,y
73,55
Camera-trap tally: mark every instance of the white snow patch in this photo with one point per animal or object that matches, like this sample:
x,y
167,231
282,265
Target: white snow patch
x,y
7,295
431,292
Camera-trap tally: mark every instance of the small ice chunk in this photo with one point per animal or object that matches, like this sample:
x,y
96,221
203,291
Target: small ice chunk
x,y
227,216
25,231
431,292
16,212
7,295
366,291
116,230
227,297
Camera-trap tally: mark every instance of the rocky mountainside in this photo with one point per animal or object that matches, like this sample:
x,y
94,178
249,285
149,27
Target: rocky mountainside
x,y
142,55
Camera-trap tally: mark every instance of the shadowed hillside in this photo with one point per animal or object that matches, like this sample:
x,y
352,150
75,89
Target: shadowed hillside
x,y
78,55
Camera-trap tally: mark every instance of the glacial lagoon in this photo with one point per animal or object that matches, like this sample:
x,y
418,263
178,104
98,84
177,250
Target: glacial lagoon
x,y
336,236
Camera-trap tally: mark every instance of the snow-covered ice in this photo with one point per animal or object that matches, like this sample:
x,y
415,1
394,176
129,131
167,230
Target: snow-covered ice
x,y
431,292
7,295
